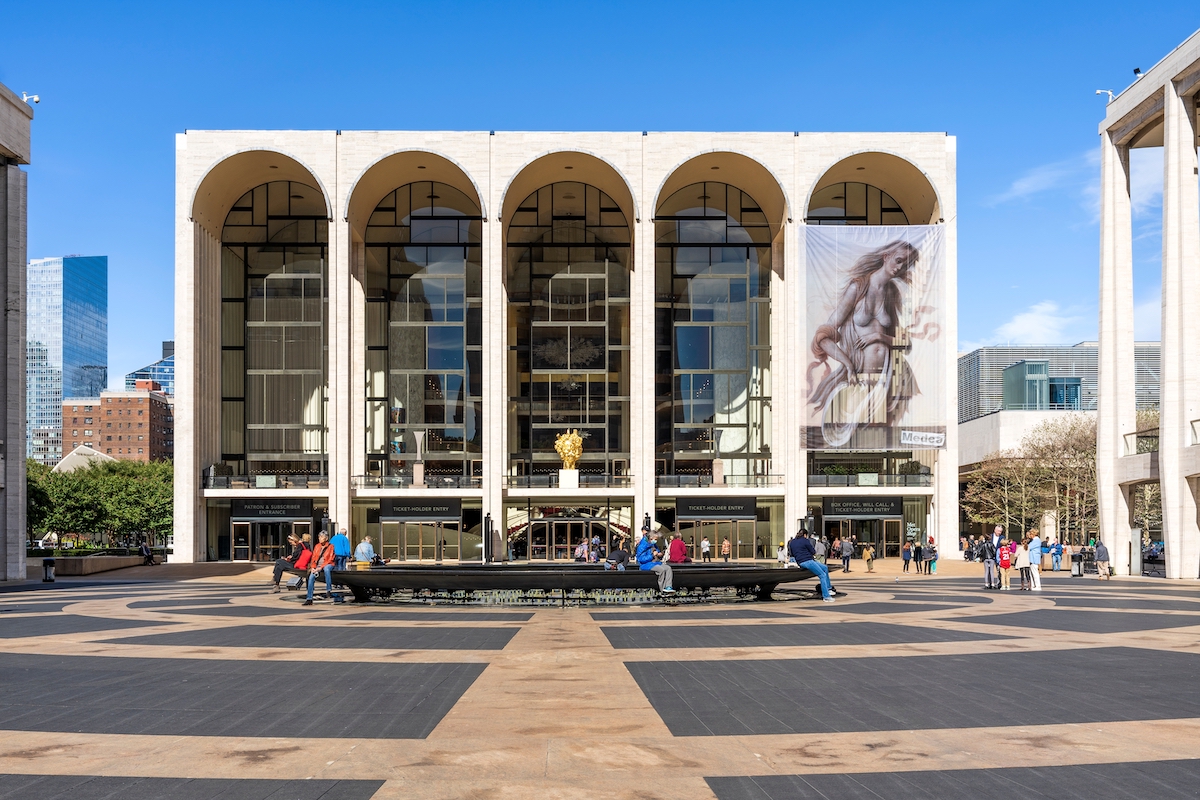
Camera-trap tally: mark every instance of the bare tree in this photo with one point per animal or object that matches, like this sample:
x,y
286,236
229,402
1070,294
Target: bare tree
x,y
1006,490
1063,453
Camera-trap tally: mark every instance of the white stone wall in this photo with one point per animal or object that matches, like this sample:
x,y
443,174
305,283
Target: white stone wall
x,y
1159,109
637,169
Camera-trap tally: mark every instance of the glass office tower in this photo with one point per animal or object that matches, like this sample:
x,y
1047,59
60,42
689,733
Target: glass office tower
x,y
67,344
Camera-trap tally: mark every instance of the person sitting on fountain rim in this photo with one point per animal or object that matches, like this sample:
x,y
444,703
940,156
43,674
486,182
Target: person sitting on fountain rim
x,y
801,549
618,558
645,554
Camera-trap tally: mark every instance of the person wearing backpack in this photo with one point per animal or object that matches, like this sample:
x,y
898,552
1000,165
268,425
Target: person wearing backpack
x,y
987,552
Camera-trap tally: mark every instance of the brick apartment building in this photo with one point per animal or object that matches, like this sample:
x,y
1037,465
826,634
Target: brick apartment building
x,y
136,425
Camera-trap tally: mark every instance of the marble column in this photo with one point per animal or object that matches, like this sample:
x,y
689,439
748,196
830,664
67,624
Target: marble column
x,y
1116,413
1180,328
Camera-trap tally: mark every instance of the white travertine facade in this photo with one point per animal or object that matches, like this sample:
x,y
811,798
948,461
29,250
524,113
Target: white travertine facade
x,y
1159,110
353,170
15,122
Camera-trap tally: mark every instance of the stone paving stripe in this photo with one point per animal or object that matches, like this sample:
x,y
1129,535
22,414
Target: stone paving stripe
x,y
15,628
934,597
666,615
74,787
1162,780
181,601
409,615
1060,619
329,637
240,611
783,635
212,697
915,692
883,607
34,608
1130,603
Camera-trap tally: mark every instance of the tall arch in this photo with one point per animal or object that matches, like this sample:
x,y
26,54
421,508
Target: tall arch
x,y
897,177
234,175
567,269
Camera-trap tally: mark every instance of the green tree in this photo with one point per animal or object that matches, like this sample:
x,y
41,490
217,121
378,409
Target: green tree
x,y
37,499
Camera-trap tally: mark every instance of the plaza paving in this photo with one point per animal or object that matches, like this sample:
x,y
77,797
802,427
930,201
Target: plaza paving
x,y
202,684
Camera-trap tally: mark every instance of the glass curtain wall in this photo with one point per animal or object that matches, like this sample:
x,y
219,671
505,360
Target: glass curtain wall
x,y
854,204
712,338
568,319
424,334
273,334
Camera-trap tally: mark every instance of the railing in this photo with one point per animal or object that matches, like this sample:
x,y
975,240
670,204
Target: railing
x,y
1141,442
586,481
406,482
870,479
704,481
266,482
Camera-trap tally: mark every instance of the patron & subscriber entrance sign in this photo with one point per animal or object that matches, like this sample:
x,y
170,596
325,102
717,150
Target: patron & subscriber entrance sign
x,y
271,509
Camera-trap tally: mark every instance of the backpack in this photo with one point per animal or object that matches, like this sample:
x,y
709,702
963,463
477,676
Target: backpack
x,y
304,559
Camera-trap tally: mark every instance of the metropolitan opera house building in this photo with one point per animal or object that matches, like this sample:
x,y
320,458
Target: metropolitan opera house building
x,y
388,331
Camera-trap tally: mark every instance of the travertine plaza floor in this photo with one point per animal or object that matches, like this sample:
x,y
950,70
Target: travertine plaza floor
x,y
181,682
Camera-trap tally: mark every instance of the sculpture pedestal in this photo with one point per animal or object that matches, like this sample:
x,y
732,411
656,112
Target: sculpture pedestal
x,y
718,472
568,479
418,476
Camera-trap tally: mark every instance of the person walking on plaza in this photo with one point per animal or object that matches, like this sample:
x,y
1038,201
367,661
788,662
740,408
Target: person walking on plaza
x,y
931,557
869,557
818,543
1101,561
726,549
906,554
1004,561
290,562
801,549
646,554
1035,560
987,552
781,554
847,554
918,555
705,550
322,563
1023,565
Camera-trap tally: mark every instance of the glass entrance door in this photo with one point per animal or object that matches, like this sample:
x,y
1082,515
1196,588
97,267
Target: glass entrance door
x,y
390,539
241,541
891,537
267,540
422,541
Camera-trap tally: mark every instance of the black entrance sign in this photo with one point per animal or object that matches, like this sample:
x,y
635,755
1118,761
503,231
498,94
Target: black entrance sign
x,y
423,510
862,506
271,509
714,508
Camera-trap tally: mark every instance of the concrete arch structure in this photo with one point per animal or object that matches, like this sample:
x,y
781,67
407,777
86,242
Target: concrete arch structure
x,y
736,169
237,173
1162,108
907,183
580,166
400,168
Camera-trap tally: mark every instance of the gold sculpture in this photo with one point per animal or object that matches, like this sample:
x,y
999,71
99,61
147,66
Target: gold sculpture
x,y
569,447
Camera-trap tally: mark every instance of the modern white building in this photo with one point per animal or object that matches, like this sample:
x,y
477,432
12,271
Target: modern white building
x,y
1158,110
751,331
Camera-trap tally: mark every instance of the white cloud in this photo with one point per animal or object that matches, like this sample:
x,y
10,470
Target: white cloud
x,y
1079,175
1045,322
1146,180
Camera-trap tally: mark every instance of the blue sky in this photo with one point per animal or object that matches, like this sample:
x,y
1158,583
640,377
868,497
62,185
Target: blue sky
x,y
1015,82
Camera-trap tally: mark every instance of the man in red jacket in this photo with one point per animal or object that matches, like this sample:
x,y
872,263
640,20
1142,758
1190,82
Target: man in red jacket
x,y
677,550
322,561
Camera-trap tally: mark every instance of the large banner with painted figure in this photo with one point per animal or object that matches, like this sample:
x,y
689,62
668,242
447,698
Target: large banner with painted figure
x,y
876,357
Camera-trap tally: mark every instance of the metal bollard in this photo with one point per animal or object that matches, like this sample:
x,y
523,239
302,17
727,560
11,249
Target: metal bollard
x,y
47,570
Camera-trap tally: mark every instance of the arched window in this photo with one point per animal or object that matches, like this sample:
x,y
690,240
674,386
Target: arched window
x,y
712,341
424,334
854,204
568,317
273,332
